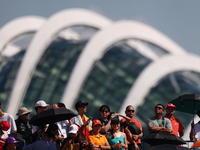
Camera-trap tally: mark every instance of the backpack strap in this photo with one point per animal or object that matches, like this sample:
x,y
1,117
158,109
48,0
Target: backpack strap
x,y
163,121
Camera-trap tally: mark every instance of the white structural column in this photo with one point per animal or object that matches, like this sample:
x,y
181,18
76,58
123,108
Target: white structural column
x,y
19,26
41,41
97,46
154,72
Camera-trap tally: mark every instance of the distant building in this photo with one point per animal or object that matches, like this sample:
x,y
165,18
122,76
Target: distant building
x,y
79,55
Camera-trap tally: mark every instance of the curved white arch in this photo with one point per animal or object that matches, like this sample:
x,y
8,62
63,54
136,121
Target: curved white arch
x,y
19,26
42,39
153,73
106,37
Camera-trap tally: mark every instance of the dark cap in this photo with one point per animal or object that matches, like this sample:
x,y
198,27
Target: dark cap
x,y
80,104
115,119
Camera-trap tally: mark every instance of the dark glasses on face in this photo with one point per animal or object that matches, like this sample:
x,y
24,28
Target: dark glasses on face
x,y
105,111
158,108
131,110
171,108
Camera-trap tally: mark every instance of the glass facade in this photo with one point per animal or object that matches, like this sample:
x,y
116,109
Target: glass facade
x,y
111,78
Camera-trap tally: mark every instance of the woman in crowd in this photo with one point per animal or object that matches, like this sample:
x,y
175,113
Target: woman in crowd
x,y
51,135
116,138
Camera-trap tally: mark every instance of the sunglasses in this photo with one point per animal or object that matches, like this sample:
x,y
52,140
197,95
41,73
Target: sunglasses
x,y
131,110
171,108
113,123
105,111
158,108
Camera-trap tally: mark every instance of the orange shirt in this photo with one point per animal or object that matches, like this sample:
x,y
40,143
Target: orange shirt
x,y
176,125
139,126
101,140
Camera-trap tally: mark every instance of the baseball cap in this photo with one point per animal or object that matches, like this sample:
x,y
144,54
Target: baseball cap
x,y
81,103
171,105
11,140
96,122
73,128
4,125
41,103
22,111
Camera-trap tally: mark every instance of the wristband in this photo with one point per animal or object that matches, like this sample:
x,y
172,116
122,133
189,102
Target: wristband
x,y
100,146
138,136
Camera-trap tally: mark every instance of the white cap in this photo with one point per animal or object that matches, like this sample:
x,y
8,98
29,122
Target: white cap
x,y
73,129
41,103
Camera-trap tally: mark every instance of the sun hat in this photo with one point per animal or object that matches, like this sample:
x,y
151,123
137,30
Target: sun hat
x,y
41,103
11,140
22,111
73,129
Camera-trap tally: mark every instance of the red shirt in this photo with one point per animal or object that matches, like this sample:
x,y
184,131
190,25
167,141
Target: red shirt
x,y
138,124
176,125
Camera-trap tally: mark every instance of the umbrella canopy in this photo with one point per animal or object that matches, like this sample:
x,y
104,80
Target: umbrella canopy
x,y
188,103
41,145
169,147
52,115
163,138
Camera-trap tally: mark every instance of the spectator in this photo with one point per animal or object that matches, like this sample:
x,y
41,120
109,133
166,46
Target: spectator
x,y
10,144
51,135
177,127
79,120
116,138
4,127
23,126
133,139
105,118
7,117
159,123
73,141
96,140
39,107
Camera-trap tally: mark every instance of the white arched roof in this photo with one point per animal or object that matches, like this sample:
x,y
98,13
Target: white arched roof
x,y
153,73
96,47
41,41
19,26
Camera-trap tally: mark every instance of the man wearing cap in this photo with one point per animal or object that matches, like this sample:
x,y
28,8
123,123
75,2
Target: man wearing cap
x,y
96,140
11,143
177,127
23,126
4,127
39,107
81,118
7,117
158,123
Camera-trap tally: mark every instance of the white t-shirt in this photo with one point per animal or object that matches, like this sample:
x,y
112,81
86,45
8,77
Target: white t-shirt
x,y
10,119
62,125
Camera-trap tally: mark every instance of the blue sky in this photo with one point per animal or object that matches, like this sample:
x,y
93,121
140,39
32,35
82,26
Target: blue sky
x,y
179,19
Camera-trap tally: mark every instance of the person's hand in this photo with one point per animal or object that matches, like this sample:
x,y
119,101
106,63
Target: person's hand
x,y
60,137
86,122
134,137
55,138
69,142
54,106
92,145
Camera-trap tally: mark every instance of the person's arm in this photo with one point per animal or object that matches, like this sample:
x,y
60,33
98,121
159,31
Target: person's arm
x,y
154,128
125,140
136,137
181,133
192,132
128,119
66,144
99,147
